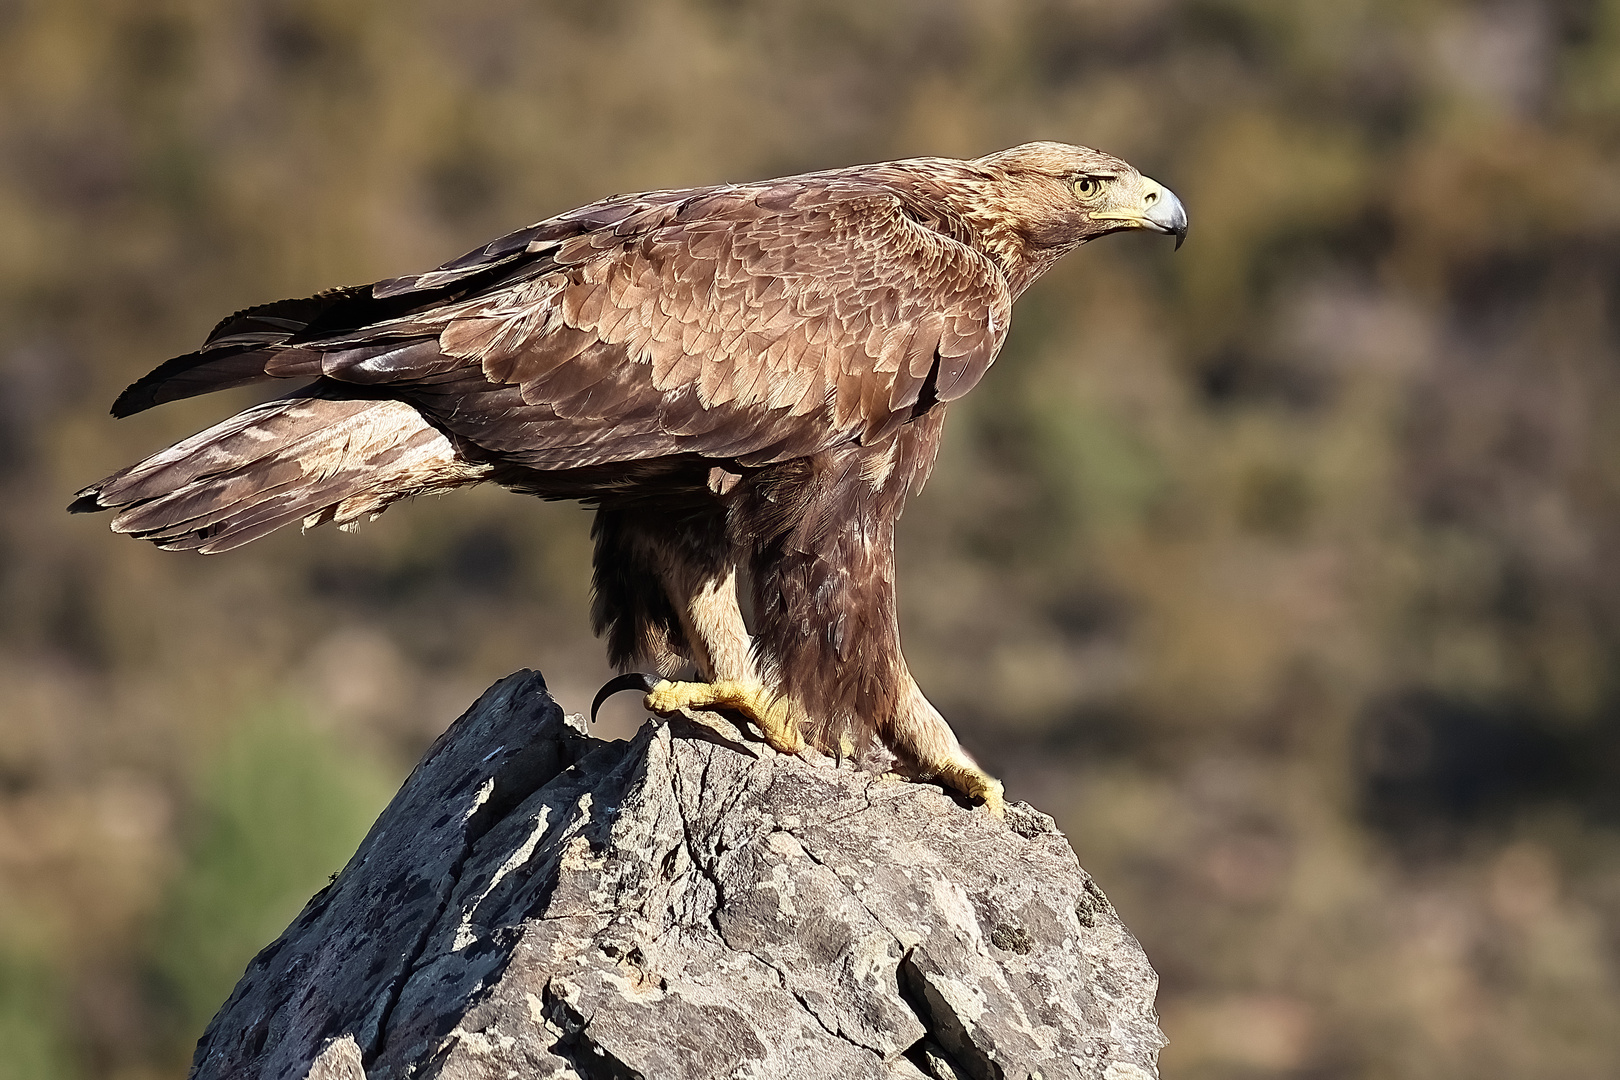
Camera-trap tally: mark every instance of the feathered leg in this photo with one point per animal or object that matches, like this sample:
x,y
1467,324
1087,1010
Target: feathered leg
x,y
630,608
666,591
828,628
920,736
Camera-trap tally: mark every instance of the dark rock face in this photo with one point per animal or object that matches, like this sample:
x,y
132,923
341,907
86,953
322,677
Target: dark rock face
x,y
536,903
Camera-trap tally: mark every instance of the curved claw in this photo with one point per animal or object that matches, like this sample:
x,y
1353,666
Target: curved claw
x,y
630,680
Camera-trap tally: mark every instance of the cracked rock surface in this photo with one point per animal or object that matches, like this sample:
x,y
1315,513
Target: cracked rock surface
x,y
537,903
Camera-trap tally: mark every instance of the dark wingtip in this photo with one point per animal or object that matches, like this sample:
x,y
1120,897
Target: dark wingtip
x,y
630,680
87,501
147,391
169,381
138,396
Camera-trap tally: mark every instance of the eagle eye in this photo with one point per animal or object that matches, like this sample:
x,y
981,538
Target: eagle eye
x,y
1087,187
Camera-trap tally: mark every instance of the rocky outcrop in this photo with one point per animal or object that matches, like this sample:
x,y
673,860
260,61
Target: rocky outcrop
x,y
537,903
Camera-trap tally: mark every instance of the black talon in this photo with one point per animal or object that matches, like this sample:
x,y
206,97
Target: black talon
x,y
630,680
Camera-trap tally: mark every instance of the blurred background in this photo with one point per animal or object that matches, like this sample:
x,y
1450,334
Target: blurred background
x,y
1280,569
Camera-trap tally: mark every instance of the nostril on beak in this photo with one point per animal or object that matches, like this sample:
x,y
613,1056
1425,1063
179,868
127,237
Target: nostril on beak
x,y
1164,212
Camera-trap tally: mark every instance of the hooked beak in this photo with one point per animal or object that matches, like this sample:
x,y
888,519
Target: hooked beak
x,y
1158,210
1164,211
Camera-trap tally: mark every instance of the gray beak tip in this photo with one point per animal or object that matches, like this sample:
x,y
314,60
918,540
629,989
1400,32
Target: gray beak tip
x,y
1168,215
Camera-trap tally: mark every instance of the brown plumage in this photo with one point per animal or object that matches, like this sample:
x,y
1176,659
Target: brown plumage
x,y
741,378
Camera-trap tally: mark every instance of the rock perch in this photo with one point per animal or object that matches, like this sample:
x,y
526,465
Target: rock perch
x,y
538,903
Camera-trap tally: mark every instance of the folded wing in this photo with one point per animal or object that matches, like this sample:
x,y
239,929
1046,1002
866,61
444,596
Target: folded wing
x,y
752,323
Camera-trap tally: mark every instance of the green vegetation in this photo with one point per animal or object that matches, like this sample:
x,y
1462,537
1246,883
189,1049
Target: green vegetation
x,y
32,1021
1280,568
280,810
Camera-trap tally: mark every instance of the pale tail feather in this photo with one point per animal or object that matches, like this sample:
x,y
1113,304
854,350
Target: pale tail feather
x,y
308,459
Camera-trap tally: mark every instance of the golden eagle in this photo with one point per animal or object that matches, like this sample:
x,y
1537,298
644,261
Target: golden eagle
x,y
744,380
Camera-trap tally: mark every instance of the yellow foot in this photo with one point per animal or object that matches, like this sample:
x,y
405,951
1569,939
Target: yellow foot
x,y
975,783
772,715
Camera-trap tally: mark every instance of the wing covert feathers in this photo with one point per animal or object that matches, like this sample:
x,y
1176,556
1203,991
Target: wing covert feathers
x,y
754,322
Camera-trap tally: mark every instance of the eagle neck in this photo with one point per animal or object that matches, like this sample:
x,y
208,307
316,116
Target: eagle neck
x,y
967,202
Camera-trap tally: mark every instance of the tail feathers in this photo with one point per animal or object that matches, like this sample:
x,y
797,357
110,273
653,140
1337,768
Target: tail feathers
x,y
309,459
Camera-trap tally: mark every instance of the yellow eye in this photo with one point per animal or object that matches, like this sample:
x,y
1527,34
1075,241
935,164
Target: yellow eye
x,y
1087,187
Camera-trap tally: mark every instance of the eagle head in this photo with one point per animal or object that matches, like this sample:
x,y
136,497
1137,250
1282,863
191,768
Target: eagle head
x,y
1053,197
